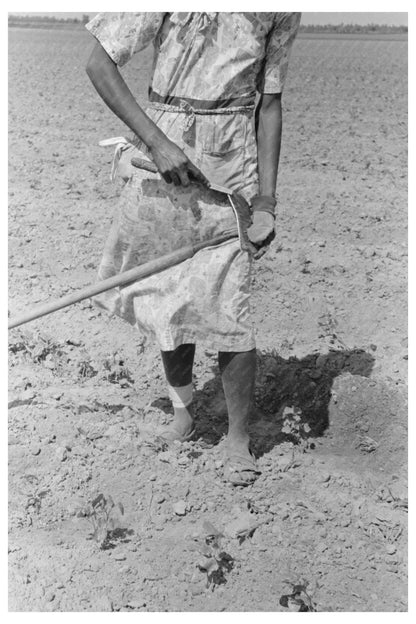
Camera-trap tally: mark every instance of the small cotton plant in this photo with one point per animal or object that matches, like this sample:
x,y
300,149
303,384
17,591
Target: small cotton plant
x,y
215,562
34,494
116,372
103,514
298,599
293,426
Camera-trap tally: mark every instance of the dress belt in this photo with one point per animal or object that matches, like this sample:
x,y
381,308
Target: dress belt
x,y
184,107
187,109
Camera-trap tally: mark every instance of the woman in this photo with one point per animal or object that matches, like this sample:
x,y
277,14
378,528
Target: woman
x,y
208,70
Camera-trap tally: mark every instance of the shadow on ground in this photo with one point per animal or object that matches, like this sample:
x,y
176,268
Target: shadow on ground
x,y
304,383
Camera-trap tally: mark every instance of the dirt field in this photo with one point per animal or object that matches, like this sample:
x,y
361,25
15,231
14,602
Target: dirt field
x,y
329,511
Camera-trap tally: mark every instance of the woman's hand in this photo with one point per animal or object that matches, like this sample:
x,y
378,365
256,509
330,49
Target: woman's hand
x,y
261,231
173,164
170,160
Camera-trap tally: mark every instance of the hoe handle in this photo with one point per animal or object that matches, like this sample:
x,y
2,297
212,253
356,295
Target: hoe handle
x,y
121,279
140,163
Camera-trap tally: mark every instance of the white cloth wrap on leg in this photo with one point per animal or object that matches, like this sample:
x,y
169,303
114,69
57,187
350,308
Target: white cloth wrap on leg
x,y
181,396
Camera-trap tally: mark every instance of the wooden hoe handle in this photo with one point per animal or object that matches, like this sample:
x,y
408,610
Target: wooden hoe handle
x,y
121,279
140,163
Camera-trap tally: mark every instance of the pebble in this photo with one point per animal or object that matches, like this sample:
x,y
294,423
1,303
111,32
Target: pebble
x,y
50,596
391,549
160,498
120,557
275,509
183,461
35,449
276,530
324,478
112,430
180,508
136,604
61,453
243,523
197,590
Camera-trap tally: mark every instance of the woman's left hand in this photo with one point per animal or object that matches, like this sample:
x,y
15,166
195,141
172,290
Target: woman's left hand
x,y
261,231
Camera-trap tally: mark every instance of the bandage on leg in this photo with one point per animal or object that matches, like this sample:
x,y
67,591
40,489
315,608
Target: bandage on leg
x,y
180,396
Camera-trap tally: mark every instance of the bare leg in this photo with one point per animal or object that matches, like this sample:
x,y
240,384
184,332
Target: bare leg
x,y
238,376
178,369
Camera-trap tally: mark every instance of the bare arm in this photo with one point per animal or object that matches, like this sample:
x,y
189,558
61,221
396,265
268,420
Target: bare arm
x,y
269,136
170,160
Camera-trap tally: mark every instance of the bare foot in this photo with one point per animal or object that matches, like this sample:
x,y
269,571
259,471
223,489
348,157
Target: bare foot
x,y
182,427
240,464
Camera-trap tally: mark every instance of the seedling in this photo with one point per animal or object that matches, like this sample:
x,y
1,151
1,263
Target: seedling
x,y
294,427
298,599
85,368
158,445
366,444
34,494
116,372
328,324
102,514
216,563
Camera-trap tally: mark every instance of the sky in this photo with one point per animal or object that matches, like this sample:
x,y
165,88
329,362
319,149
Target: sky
x,y
390,18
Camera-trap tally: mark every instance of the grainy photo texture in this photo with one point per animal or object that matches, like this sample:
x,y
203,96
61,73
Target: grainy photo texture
x,y
207,313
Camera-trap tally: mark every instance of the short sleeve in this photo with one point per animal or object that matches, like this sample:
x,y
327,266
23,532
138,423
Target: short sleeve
x,y
272,77
124,34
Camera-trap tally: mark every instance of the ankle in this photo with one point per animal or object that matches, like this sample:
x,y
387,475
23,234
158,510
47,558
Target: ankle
x,y
238,439
183,414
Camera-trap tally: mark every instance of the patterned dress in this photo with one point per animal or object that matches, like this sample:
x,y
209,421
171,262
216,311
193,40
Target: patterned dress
x,y
207,70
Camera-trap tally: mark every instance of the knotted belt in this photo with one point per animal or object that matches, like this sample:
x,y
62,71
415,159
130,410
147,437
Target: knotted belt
x,y
181,106
184,107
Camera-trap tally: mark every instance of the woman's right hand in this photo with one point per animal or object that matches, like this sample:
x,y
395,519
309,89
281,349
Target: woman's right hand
x,y
168,157
173,164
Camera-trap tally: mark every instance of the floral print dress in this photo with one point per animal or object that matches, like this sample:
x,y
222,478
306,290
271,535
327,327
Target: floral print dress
x,y
208,68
